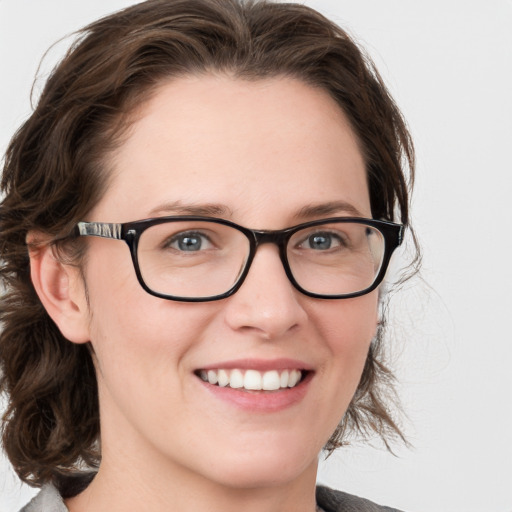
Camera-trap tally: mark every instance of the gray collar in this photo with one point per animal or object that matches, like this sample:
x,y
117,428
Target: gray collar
x,y
48,500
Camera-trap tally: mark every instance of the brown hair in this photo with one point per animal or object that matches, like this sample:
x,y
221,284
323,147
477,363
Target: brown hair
x,y
54,174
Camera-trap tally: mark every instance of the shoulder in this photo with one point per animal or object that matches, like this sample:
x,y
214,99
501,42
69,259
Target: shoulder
x,y
52,495
337,501
47,500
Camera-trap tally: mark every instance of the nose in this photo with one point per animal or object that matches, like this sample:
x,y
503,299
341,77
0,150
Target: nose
x,y
266,305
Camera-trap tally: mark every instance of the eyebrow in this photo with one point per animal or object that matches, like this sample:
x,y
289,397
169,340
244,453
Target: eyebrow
x,y
221,210
330,208
202,209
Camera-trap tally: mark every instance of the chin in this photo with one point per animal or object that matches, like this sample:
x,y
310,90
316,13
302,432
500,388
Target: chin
x,y
254,477
262,468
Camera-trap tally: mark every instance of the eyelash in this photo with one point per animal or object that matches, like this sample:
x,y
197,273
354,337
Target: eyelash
x,y
186,234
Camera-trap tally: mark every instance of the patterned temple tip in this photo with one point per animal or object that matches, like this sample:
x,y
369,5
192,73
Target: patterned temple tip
x,y
103,229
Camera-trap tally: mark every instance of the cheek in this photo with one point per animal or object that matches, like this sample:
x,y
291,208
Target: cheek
x,y
141,331
348,329
348,325
143,348
139,340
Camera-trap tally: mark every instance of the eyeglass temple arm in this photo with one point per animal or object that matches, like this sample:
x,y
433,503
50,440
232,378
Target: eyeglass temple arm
x,y
103,229
401,235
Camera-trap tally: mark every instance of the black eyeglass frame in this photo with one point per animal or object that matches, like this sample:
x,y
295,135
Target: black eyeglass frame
x,y
130,232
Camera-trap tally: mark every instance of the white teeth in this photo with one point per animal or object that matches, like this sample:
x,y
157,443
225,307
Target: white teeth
x,y
284,379
223,378
212,377
293,378
236,379
252,380
271,381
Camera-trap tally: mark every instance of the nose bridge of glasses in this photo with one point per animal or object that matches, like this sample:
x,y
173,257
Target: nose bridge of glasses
x,y
273,237
278,238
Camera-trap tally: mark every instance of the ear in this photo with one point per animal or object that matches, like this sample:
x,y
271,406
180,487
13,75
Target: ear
x,y
61,290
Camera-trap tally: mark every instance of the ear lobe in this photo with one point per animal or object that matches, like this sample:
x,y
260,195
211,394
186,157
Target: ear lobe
x,y
61,291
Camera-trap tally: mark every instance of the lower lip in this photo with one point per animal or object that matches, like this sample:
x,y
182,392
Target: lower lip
x,y
261,401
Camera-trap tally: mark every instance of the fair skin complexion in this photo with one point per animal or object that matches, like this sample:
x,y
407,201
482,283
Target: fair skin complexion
x,y
261,152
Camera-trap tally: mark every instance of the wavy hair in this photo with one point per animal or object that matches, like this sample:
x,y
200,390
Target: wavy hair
x,y
54,173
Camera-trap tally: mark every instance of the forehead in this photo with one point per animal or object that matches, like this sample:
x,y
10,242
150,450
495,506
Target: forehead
x,y
275,145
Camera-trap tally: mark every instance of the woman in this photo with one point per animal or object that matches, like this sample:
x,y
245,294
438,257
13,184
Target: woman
x,y
197,220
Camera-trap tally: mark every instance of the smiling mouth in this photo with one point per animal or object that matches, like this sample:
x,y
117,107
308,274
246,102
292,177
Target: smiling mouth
x,y
253,380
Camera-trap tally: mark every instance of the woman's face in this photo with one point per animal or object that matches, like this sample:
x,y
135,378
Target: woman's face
x,y
265,154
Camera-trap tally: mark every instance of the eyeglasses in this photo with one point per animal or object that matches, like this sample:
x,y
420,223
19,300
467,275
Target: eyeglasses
x,y
199,259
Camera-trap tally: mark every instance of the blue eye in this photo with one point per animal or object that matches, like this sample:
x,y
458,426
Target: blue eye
x,y
322,241
189,242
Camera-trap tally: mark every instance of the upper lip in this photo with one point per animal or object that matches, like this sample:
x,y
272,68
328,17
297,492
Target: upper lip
x,y
259,365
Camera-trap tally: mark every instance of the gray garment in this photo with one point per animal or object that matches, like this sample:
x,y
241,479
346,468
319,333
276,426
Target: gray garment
x,y
49,500
337,501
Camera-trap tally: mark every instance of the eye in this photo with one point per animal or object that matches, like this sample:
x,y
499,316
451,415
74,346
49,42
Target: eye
x,y
322,241
189,242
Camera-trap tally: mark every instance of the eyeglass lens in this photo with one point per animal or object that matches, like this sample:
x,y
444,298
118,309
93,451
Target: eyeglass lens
x,y
205,259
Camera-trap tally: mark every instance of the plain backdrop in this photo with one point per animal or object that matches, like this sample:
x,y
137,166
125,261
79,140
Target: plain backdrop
x,y
448,64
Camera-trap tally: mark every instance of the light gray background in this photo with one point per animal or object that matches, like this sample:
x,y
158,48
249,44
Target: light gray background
x,y
449,65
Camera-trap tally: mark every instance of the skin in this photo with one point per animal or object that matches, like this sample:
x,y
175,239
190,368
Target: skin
x,y
263,150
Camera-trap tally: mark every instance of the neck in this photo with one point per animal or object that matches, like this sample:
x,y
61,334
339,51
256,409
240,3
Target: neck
x,y
136,476
176,490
